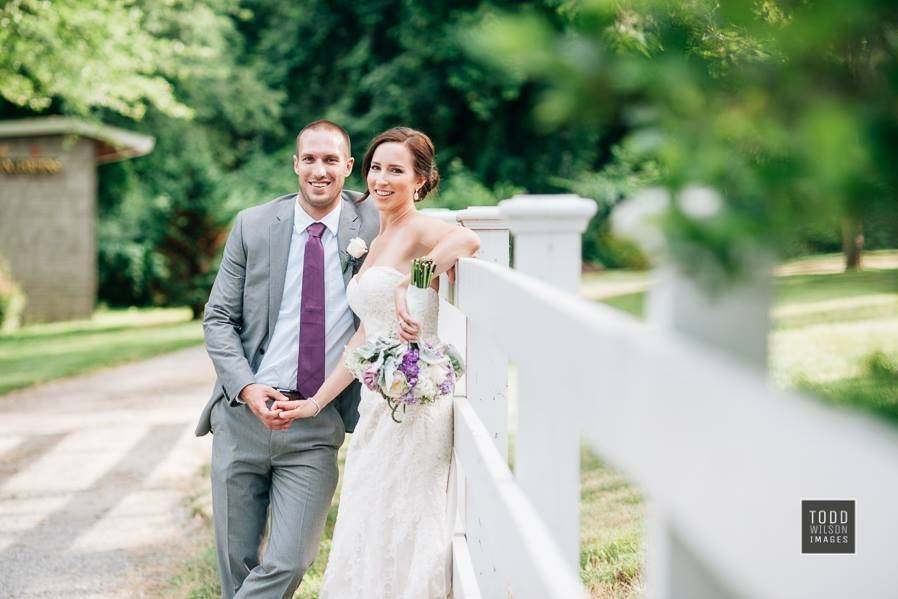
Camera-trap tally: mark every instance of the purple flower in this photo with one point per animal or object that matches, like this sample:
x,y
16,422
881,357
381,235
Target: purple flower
x,y
370,379
409,365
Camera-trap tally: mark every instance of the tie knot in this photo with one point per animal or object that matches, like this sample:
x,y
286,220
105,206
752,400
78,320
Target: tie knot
x,y
315,229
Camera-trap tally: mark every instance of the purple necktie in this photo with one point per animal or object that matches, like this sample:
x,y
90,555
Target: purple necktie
x,y
310,370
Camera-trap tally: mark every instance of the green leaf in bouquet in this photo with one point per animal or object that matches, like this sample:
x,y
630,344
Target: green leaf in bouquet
x,y
458,363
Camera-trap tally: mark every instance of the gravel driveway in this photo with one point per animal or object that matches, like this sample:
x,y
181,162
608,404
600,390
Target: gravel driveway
x,y
94,473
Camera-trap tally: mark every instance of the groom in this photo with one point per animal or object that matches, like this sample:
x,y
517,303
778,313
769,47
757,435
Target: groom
x,y
277,319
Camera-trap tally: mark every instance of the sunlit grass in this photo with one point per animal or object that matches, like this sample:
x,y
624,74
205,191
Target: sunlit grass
x,y
611,530
197,577
44,352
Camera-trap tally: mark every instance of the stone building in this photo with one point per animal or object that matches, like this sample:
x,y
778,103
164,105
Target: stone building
x,y
48,189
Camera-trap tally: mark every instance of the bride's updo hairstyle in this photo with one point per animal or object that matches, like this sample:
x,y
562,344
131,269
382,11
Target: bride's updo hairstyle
x,y
421,149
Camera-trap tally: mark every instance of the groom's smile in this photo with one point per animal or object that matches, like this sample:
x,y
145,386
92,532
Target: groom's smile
x,y
322,163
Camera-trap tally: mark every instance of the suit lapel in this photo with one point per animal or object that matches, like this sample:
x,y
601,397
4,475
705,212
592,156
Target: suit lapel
x,y
280,231
349,227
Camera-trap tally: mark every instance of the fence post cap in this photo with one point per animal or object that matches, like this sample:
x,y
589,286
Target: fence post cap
x,y
550,212
481,217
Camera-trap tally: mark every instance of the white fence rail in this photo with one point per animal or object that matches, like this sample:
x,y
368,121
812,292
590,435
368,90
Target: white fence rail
x,y
723,459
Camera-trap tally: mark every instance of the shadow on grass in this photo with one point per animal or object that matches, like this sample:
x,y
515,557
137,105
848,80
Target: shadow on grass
x,y
811,288
86,330
876,392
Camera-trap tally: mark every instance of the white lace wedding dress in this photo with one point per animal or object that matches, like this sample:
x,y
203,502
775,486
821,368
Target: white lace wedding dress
x,y
393,529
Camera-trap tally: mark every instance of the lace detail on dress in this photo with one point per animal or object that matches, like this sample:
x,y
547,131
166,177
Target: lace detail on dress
x,y
393,531
374,302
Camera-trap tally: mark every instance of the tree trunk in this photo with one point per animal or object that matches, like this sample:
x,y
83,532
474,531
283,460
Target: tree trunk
x,y
852,242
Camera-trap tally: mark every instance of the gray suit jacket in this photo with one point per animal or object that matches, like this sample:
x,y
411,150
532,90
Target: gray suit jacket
x,y
246,296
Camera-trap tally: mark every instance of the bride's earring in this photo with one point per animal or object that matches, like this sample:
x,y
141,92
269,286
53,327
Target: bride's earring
x,y
416,195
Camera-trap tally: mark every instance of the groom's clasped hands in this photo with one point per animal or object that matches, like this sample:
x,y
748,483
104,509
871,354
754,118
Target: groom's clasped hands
x,y
277,411
274,409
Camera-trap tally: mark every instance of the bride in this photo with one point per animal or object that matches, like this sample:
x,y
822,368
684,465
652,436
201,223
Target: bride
x,y
392,535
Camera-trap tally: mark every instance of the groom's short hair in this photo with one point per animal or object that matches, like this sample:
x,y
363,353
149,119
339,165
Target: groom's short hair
x,y
326,124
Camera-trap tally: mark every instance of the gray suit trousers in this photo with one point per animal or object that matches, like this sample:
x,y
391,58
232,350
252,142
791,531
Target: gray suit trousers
x,y
292,472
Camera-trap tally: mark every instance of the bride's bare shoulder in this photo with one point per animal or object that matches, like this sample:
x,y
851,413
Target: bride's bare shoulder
x,y
425,223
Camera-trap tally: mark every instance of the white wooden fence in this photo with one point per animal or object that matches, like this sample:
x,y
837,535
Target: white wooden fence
x,y
680,404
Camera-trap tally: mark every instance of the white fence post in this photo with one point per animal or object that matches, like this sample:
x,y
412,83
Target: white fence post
x,y
732,317
547,243
487,382
486,387
547,231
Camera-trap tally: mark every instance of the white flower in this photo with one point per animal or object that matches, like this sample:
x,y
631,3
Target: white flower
x,y
397,385
435,373
357,248
699,202
635,218
426,388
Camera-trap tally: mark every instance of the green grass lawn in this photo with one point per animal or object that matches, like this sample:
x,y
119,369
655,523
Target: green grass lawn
x,y
43,352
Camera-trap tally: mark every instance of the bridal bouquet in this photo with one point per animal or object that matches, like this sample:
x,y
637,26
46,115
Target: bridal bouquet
x,y
407,374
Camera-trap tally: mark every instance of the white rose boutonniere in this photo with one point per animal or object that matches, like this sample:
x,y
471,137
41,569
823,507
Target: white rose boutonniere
x,y
355,250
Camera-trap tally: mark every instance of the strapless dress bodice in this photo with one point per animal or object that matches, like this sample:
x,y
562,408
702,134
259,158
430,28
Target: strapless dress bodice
x,y
372,297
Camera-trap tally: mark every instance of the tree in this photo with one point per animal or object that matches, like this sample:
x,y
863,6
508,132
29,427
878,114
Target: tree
x,y
164,217
787,108
84,55
375,65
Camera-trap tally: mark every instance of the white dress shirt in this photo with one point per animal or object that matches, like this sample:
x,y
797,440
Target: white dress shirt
x,y
279,364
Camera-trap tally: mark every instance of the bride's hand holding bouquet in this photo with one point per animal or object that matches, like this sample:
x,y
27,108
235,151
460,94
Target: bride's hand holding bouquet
x,y
420,278
406,371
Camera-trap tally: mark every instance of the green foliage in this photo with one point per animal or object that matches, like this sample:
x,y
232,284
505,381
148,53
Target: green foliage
x,y
787,108
164,217
459,189
619,179
174,70
12,300
88,54
371,66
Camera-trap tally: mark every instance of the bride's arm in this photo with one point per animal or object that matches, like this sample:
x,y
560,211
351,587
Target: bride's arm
x,y
448,243
338,380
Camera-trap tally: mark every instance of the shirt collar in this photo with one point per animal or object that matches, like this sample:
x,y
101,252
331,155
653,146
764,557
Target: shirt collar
x,y
302,220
